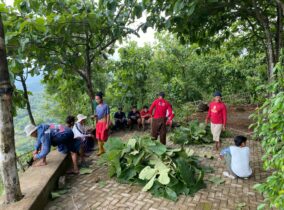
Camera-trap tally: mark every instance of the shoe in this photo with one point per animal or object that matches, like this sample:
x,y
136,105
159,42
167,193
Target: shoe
x,y
226,174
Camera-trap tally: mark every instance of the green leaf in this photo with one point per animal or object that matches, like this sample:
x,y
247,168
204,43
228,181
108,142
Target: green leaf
x,y
58,193
164,177
147,173
159,149
85,171
131,143
216,180
261,206
149,185
171,194
3,8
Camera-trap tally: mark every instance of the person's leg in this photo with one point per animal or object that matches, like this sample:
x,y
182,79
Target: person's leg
x,y
214,134
139,122
74,157
228,161
98,135
154,130
143,123
163,131
218,130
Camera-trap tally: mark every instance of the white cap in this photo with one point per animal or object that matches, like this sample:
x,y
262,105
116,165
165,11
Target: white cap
x,y
81,117
29,129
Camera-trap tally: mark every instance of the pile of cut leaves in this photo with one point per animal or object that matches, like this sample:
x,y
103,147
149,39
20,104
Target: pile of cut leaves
x,y
166,172
193,133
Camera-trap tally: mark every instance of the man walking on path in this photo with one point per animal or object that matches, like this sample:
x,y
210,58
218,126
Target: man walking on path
x,y
217,114
102,122
160,107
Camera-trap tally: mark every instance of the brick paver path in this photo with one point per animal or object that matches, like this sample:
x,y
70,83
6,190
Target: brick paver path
x,y
85,193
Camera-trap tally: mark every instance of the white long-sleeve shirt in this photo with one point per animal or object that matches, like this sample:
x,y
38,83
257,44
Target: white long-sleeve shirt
x,y
79,130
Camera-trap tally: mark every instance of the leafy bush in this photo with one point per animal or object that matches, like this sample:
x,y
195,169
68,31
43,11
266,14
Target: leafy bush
x,y
194,133
163,171
269,128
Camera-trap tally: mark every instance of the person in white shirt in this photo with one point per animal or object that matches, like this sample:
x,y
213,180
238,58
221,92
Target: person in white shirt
x,y
237,159
80,132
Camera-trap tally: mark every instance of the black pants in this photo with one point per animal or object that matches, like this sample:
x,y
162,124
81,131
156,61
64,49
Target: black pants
x,y
159,128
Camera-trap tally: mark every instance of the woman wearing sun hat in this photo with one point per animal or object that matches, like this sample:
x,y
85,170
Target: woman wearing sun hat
x,y
80,132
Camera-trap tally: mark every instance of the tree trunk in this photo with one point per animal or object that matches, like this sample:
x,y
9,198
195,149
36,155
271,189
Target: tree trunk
x,y
279,32
270,53
88,71
8,166
26,96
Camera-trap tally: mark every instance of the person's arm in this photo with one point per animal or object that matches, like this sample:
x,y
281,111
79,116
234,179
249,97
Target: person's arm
x,y
224,114
208,114
46,144
108,116
170,109
37,144
152,108
224,152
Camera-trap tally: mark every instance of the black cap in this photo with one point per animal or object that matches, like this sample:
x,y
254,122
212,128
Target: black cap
x,y
217,93
162,94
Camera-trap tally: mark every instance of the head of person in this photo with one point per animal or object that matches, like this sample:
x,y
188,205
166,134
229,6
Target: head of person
x,y
145,108
31,130
240,141
134,109
70,121
161,95
81,119
99,97
119,109
217,96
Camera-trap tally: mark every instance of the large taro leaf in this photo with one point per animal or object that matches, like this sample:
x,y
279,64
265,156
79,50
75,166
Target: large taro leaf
x,y
186,172
114,144
147,173
114,160
158,149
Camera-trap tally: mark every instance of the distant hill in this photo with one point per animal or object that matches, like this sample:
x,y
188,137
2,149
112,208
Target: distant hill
x,y
33,84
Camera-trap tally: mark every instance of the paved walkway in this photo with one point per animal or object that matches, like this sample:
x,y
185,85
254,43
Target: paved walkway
x,y
86,193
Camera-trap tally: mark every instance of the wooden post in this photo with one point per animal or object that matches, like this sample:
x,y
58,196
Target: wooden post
x,y
8,165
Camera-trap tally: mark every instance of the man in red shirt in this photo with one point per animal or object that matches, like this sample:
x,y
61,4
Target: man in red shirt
x,y
217,114
160,107
145,116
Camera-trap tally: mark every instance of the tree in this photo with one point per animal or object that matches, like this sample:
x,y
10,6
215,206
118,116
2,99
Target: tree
x,y
76,34
8,164
130,75
269,128
210,23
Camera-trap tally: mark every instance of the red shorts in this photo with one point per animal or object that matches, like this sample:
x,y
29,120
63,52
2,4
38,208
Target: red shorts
x,y
101,131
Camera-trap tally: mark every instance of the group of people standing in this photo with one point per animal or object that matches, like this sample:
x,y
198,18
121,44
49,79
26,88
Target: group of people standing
x,y
75,139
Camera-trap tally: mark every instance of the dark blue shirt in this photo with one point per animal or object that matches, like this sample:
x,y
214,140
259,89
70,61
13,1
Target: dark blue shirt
x,y
102,110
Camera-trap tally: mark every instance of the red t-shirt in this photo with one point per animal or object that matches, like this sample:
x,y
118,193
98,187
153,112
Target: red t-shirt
x,y
161,106
144,114
217,113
